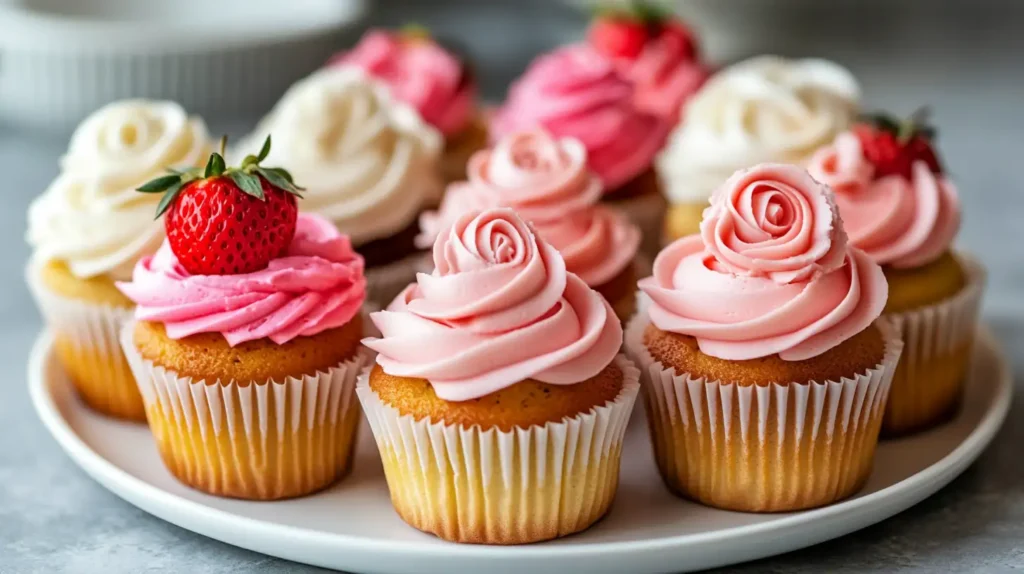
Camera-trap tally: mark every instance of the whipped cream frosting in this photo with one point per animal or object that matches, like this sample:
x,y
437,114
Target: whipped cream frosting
x,y
897,221
576,92
766,109
419,72
664,77
498,309
547,182
367,162
317,285
770,273
91,217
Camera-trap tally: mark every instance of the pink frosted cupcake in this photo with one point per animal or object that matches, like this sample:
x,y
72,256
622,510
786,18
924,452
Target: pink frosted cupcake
x,y
434,80
248,379
577,92
765,372
655,51
903,211
499,400
547,182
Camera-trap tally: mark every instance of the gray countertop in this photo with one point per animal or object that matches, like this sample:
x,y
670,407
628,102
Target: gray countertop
x,y
53,518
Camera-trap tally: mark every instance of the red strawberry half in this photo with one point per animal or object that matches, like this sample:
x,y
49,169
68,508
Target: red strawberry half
x,y
893,145
624,31
228,220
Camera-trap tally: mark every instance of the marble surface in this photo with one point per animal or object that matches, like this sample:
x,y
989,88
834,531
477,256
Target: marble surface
x,y
53,518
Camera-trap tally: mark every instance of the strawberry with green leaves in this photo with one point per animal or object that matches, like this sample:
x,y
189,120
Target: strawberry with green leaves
x,y
623,31
227,220
893,145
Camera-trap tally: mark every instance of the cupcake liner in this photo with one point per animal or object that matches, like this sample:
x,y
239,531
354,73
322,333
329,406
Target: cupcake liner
x,y
938,341
86,338
763,448
492,487
261,441
385,282
647,211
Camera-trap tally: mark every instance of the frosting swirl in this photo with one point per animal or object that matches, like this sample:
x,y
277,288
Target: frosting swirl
x,y
91,217
576,92
547,182
766,109
368,163
317,285
664,77
744,306
499,308
898,222
419,72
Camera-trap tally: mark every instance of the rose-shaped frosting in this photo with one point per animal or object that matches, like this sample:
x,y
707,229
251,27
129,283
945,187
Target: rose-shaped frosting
x,y
664,76
317,285
368,162
898,222
576,92
91,216
499,308
419,72
766,276
547,182
766,109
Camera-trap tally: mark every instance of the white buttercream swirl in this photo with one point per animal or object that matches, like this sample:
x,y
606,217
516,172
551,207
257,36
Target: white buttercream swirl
x,y
368,162
91,217
766,109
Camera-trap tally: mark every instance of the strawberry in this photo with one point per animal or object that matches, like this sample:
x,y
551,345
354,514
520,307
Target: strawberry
x,y
893,146
226,221
681,37
618,37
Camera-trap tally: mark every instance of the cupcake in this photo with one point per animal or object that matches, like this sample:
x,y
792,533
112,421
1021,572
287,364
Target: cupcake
x,y
577,92
766,109
431,78
245,341
547,182
368,163
764,369
90,227
498,400
655,51
903,211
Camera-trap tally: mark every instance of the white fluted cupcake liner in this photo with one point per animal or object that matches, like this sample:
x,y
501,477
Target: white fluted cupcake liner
x,y
938,341
492,487
254,440
86,337
779,447
385,282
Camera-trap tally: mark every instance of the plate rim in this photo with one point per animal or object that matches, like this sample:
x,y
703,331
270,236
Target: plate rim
x,y
139,492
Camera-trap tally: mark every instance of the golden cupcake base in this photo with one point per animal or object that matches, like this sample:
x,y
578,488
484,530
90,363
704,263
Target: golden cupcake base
x,y
102,378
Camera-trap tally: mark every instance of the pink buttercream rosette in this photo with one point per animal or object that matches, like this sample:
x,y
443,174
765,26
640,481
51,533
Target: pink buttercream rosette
x,y
664,76
546,180
419,72
770,274
897,221
499,308
576,92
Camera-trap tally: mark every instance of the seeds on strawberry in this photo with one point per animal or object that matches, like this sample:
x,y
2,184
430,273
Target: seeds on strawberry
x,y
229,220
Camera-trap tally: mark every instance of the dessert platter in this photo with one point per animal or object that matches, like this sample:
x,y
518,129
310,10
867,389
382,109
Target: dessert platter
x,y
390,331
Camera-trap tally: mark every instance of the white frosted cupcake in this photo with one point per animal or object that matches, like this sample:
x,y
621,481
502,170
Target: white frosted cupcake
x,y
367,162
766,109
89,229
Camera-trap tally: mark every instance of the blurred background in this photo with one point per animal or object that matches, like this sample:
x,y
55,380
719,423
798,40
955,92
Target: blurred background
x,y
229,60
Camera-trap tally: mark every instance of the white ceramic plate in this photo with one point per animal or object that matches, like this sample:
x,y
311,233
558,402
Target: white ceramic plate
x,y
353,527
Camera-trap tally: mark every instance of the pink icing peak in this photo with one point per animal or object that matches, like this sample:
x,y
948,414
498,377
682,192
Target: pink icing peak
x,y
576,92
498,309
419,72
664,77
547,182
770,273
774,221
898,222
317,285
